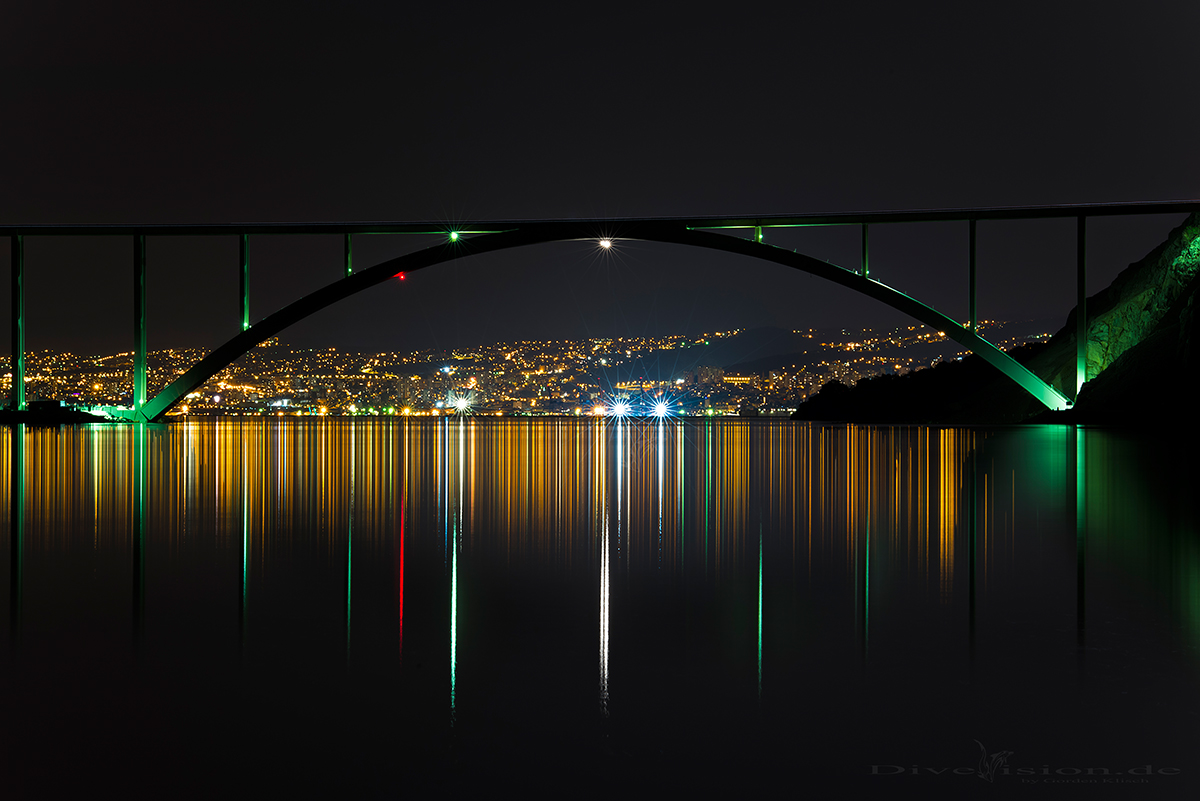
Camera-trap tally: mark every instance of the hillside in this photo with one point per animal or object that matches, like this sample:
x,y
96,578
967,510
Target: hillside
x,y
1139,353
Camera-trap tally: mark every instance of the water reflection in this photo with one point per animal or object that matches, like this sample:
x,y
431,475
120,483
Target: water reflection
x,y
16,528
709,559
598,495
453,515
243,596
350,537
138,535
917,502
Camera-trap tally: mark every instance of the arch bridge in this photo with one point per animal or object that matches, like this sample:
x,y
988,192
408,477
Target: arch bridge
x,y
477,238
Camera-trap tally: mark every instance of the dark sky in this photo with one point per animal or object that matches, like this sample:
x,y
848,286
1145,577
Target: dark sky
x,y
138,112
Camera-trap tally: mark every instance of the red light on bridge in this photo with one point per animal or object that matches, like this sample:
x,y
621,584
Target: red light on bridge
x,y
400,276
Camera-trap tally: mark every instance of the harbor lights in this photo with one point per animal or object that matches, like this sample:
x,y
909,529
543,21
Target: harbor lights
x,y
620,409
661,409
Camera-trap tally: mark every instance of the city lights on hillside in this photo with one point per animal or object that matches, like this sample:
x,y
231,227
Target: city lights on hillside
x,y
524,378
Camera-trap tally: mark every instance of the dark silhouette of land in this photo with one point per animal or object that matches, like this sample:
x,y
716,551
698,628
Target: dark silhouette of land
x,y
1141,361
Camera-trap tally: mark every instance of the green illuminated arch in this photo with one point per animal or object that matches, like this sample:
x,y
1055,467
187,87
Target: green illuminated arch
x,y
540,233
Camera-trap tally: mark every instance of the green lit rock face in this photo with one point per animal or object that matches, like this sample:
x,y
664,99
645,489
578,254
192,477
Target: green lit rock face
x,y
1126,312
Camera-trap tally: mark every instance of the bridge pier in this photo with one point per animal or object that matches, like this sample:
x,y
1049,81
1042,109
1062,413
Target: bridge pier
x,y
17,271
971,280
1081,303
139,322
244,278
866,270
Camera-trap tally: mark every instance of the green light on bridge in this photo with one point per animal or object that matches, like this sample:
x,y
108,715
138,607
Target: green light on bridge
x,y
454,236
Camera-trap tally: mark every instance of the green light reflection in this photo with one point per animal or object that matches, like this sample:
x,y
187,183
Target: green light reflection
x,y
760,609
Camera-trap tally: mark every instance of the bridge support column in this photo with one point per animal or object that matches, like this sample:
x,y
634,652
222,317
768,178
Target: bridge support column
x,y
348,247
866,269
244,278
139,322
971,281
1081,304
17,271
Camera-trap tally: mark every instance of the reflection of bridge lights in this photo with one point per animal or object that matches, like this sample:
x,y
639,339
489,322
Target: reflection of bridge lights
x,y
606,243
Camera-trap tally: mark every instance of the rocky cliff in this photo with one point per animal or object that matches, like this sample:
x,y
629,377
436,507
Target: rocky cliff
x,y
1128,311
1141,363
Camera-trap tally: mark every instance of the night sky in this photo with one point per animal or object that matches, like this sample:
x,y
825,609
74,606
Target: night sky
x,y
132,112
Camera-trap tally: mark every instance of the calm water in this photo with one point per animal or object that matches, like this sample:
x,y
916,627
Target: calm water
x,y
568,608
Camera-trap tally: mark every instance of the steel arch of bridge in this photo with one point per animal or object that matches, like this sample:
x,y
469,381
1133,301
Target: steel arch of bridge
x,y
671,232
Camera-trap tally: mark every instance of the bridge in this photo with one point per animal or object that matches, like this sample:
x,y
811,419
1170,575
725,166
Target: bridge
x,y
462,241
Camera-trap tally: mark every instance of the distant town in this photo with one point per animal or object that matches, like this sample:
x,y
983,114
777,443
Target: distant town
x,y
677,375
